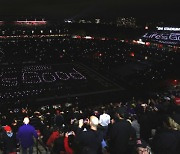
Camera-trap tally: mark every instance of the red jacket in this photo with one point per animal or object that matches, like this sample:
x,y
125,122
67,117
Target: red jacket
x,y
52,138
66,146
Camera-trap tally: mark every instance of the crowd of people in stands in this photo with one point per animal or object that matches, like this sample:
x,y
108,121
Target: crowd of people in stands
x,y
133,64
136,126
128,127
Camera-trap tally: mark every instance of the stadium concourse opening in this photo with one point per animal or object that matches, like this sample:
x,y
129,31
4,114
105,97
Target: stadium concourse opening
x,y
42,84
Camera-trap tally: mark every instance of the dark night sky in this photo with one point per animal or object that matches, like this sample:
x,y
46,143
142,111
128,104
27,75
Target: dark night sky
x,y
60,9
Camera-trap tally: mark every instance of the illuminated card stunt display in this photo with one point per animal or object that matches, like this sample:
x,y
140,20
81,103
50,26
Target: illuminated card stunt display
x,y
46,77
41,81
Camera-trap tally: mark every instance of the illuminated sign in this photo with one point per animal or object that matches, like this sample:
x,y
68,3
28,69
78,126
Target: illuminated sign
x,y
168,28
169,38
50,81
31,23
35,77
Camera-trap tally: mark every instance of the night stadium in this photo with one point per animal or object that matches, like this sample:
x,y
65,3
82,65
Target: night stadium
x,y
95,81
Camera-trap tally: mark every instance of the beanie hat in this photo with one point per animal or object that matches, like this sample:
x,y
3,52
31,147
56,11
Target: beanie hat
x,y
7,128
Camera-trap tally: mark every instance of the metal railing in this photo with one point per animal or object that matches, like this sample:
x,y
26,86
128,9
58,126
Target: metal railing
x,y
40,143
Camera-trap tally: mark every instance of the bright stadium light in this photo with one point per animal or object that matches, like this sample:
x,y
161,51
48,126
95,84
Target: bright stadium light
x,y
146,27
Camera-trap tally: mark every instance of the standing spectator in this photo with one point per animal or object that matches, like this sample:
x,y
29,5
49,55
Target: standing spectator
x,y
104,120
167,140
9,141
145,122
58,119
25,136
90,141
36,121
69,142
46,133
54,135
58,146
136,126
120,134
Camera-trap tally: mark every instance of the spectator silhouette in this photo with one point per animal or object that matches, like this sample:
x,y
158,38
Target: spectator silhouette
x,y
120,134
90,141
167,140
25,136
9,140
58,119
104,121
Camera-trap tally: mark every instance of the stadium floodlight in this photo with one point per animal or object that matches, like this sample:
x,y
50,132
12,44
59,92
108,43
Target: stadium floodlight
x,y
88,37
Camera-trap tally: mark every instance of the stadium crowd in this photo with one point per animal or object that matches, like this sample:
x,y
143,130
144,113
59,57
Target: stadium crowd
x,y
108,56
136,126
125,127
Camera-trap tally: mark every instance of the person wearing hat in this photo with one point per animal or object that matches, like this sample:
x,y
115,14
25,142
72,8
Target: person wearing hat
x,y
25,136
9,140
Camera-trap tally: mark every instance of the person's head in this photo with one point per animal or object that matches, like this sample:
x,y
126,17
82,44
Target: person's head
x,y
58,112
172,122
142,147
120,112
94,121
142,150
26,120
7,129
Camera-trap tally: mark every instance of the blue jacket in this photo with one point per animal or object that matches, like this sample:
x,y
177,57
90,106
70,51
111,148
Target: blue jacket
x,y
25,135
